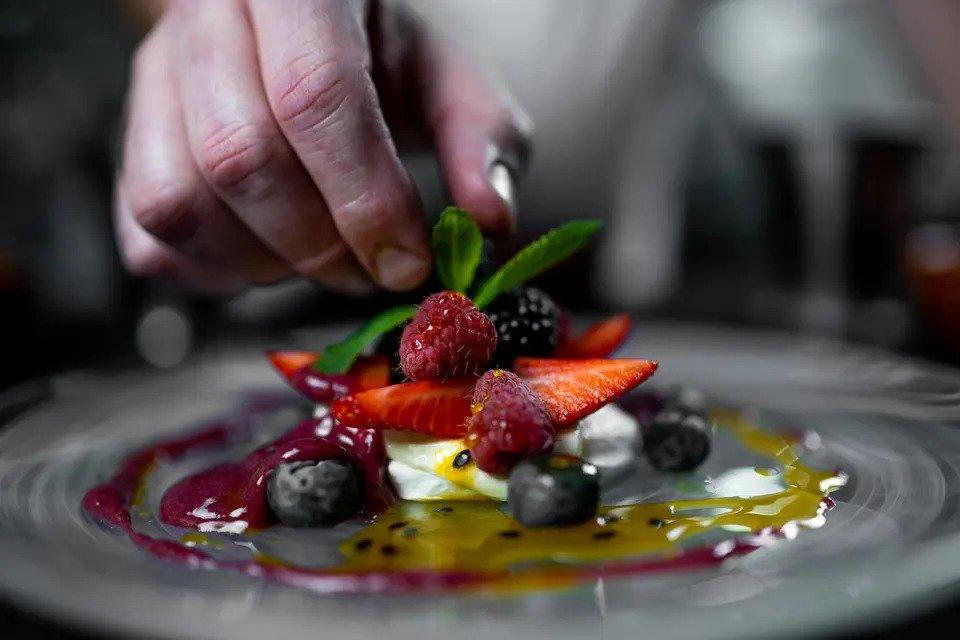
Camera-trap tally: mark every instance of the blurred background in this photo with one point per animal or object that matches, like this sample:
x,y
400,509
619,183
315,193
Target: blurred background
x,y
790,164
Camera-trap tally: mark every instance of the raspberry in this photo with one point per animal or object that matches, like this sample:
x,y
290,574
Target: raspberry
x,y
509,423
527,322
448,337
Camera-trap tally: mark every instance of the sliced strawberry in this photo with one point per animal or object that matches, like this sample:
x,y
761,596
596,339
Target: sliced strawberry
x,y
286,362
572,389
368,372
371,372
431,407
599,341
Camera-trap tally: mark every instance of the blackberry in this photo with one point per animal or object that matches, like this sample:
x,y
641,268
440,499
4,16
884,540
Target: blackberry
x,y
527,322
389,346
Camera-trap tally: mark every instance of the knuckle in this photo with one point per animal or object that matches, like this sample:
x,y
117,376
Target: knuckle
x,y
312,92
369,215
236,157
166,210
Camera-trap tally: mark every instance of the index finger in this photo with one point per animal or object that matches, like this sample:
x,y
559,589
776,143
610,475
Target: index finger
x,y
315,65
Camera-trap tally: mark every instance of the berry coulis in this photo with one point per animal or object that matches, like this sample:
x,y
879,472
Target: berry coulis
x,y
451,545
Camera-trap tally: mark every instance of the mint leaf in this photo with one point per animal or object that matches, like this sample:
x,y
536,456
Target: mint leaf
x,y
338,358
457,248
549,249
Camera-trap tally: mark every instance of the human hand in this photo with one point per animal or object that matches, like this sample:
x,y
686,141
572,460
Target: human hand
x,y
257,144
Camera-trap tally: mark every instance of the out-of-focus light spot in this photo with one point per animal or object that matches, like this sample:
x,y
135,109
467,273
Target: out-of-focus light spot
x,y
788,60
502,183
812,440
754,43
164,337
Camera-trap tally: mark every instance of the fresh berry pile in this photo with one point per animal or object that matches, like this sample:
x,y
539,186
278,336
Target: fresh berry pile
x,y
498,368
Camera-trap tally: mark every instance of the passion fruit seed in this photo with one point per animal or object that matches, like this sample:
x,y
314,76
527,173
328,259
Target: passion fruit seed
x,y
463,459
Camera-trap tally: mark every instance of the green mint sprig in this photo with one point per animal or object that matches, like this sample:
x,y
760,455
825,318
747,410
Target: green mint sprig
x,y
553,247
457,249
339,357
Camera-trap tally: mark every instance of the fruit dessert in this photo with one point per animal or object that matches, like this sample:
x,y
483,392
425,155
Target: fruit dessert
x,y
487,382
474,440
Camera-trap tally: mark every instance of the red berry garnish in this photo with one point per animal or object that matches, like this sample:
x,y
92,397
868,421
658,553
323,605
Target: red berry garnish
x,y
368,372
509,423
449,337
287,362
598,341
573,389
431,407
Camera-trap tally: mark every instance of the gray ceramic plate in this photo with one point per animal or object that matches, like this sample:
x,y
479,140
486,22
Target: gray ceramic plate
x,y
891,546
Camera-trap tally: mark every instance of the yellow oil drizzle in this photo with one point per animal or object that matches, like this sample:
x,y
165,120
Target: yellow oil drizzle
x,y
138,500
480,537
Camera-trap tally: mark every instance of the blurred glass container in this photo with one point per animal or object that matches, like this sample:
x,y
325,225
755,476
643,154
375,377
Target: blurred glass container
x,y
933,266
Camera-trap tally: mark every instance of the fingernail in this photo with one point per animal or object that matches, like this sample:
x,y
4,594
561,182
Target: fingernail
x,y
502,182
398,268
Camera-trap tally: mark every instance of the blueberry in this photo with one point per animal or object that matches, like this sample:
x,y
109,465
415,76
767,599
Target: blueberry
x,y
677,440
313,494
645,404
688,400
553,490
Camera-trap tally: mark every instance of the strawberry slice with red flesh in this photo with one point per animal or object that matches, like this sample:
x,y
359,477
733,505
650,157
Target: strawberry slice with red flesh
x,y
434,408
368,372
287,362
573,389
599,341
